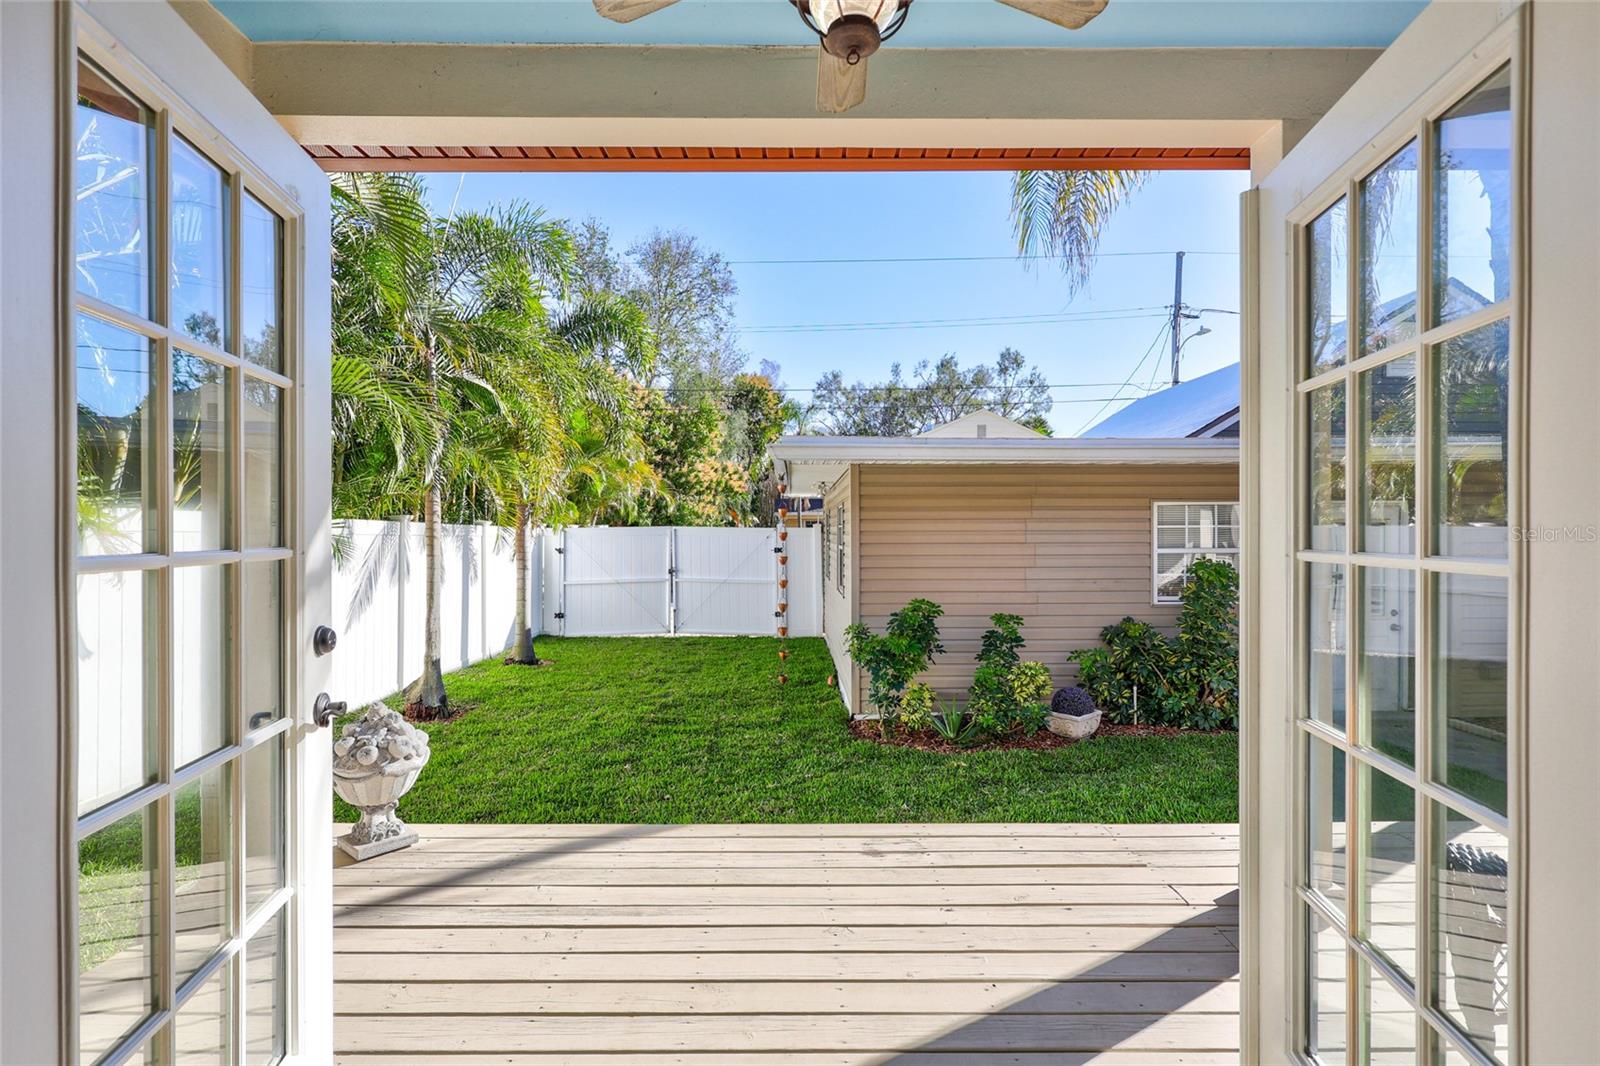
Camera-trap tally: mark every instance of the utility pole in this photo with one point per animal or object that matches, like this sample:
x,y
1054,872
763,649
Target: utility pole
x,y
1177,316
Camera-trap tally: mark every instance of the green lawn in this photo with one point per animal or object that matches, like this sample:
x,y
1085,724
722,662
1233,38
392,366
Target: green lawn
x,y
697,729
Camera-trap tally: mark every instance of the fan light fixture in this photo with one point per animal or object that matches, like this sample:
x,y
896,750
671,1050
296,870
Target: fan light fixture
x,y
852,30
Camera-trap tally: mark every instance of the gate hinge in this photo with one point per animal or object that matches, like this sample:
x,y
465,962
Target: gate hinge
x,y
561,551
778,550
561,614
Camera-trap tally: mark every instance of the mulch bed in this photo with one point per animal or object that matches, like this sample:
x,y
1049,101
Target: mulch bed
x,y
866,729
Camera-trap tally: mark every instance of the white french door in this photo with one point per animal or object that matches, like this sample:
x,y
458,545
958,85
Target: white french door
x,y
1392,729
197,916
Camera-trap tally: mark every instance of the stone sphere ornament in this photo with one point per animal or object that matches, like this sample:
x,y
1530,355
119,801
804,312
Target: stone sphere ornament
x,y
376,760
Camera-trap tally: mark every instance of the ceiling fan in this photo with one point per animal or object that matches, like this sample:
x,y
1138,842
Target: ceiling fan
x,y
851,30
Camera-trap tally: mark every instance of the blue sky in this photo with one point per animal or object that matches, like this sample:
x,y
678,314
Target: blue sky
x,y
972,297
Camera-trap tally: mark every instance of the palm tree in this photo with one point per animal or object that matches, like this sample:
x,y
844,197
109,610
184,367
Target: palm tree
x,y
560,383
1062,214
431,306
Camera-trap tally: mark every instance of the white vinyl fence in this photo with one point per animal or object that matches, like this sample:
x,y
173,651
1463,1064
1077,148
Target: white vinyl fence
x,y
662,580
587,581
584,582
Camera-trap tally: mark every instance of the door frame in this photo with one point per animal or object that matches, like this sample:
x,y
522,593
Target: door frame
x,y
149,49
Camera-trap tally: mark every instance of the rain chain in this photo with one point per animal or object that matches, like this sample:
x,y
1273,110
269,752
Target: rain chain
x,y
782,613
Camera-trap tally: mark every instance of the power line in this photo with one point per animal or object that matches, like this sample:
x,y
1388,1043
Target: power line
x,y
1040,318
1162,332
924,388
946,259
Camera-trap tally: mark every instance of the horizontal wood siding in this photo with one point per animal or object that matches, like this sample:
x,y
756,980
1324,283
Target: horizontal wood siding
x,y
1066,547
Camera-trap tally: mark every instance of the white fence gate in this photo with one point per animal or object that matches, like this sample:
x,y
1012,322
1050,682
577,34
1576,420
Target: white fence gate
x,y
663,580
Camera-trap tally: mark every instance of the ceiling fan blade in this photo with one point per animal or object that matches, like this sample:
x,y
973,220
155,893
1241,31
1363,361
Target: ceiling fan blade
x,y
628,10
840,86
1071,14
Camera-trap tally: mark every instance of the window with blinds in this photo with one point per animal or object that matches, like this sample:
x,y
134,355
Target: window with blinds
x,y
1185,532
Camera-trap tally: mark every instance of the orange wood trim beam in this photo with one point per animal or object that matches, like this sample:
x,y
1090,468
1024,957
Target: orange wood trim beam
x,y
592,158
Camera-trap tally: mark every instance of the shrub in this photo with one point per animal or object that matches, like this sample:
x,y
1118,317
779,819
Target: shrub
x,y
1007,694
893,660
915,710
1002,645
1075,701
954,725
1029,683
1191,680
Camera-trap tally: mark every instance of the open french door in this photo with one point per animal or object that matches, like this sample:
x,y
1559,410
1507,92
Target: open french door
x,y
1423,440
193,407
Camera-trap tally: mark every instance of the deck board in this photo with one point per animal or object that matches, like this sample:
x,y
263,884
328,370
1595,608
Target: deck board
x,y
792,944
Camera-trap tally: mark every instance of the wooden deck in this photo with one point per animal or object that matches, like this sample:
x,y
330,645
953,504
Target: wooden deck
x,y
792,944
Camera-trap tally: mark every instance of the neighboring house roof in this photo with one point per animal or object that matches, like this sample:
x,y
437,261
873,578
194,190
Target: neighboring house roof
x,y
1206,406
806,461
984,424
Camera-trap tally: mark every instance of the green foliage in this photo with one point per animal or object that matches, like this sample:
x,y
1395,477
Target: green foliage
x,y
696,730
1029,683
914,712
1007,695
1002,645
936,393
894,659
1191,680
955,726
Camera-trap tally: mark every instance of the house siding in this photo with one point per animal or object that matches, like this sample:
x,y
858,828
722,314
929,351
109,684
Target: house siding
x,y
1066,547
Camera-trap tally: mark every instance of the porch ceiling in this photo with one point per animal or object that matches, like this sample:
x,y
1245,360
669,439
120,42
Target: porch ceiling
x,y
496,84
933,23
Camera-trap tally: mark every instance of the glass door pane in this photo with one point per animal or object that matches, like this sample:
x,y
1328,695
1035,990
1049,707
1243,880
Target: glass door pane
x,y
113,134
1472,201
118,925
1423,593
1471,870
182,774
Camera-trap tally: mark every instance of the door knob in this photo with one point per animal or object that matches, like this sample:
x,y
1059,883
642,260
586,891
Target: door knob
x,y
325,710
324,640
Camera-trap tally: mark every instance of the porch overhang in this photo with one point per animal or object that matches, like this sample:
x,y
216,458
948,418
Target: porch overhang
x,y
368,105
807,461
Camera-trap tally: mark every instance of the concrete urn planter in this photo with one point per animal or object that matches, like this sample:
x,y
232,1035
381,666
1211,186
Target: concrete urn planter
x,y
1074,727
376,761
1072,713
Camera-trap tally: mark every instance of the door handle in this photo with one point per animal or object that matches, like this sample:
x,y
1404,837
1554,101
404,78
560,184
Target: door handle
x,y
325,710
324,640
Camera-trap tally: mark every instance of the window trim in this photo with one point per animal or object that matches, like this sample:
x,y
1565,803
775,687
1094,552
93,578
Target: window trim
x,y
1233,553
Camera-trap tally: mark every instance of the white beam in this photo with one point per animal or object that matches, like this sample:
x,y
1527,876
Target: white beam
x,y
359,93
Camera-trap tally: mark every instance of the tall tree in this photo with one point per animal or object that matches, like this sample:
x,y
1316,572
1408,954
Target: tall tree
x,y
559,382
938,393
433,304
686,294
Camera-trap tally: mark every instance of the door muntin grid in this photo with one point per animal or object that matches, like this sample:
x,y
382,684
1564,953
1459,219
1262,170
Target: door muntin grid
x,y
1407,591
180,772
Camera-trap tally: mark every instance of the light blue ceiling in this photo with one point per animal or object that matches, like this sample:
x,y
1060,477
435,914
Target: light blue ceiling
x,y
932,23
